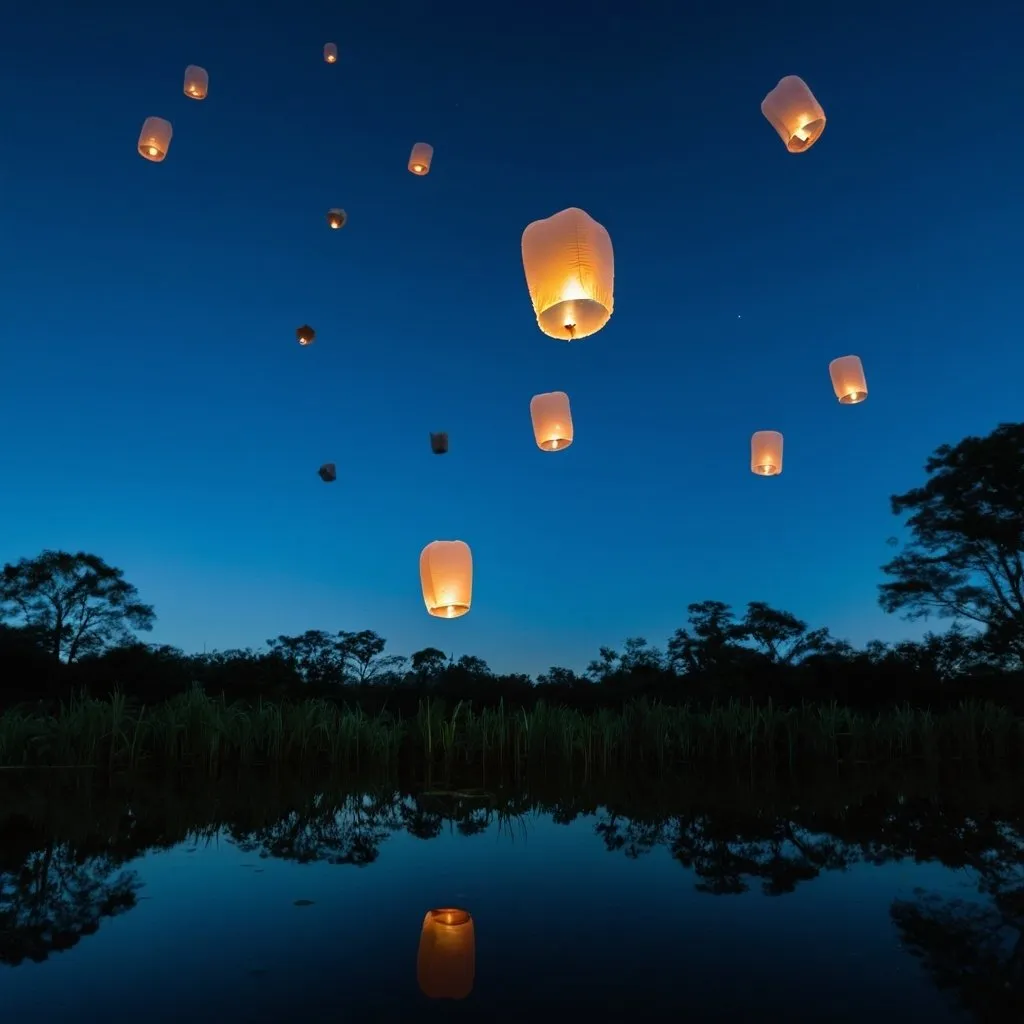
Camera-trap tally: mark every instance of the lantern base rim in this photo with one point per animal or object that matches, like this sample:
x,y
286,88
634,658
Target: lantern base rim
x,y
812,131
555,444
853,398
448,611
584,316
441,914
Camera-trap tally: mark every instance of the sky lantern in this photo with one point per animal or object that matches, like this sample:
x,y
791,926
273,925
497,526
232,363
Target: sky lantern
x,y
439,442
794,113
420,157
848,380
337,218
305,335
446,961
552,421
570,273
331,53
446,575
155,138
766,453
328,473
197,82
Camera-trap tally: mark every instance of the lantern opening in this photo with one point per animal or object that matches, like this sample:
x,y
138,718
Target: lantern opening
x,y
853,397
806,135
450,916
554,443
766,469
565,318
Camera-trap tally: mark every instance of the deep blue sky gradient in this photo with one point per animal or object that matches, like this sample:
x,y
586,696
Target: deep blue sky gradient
x,y
158,411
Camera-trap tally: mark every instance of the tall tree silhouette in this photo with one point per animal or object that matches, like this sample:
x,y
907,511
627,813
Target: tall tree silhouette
x,y
964,559
79,602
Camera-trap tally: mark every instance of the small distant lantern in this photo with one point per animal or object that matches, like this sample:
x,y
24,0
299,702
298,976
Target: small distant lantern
x,y
570,273
197,82
794,113
766,453
328,473
446,961
552,421
848,380
331,53
305,335
446,576
155,139
439,443
420,157
337,218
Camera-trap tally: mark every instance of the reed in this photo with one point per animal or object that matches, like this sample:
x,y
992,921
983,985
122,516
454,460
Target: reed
x,y
195,729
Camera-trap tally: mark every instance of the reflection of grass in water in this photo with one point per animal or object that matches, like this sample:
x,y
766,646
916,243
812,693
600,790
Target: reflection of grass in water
x,y
193,729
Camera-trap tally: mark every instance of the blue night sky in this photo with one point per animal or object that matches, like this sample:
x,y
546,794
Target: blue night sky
x,y
159,413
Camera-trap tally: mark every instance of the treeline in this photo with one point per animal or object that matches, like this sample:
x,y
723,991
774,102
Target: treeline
x,y
765,655
73,624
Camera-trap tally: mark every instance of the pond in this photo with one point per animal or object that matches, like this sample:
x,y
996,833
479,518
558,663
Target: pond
x,y
262,897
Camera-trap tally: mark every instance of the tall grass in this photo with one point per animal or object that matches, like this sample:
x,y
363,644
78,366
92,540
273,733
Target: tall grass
x,y
197,730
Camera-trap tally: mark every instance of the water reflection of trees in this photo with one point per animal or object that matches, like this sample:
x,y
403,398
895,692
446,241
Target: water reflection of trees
x,y
63,853
53,893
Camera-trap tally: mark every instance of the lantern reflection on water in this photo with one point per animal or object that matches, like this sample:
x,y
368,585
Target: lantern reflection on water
x,y
446,961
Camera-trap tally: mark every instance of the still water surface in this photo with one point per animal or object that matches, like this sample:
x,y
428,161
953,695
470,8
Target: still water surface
x,y
267,899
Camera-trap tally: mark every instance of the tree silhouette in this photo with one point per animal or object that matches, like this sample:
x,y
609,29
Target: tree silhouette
x,y
711,642
783,637
54,897
80,603
967,538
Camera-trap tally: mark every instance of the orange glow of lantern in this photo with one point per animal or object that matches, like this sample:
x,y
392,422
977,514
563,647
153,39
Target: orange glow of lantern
x,y
766,453
420,157
552,421
794,113
446,576
848,380
305,334
570,273
155,139
197,82
446,961
337,218
331,53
